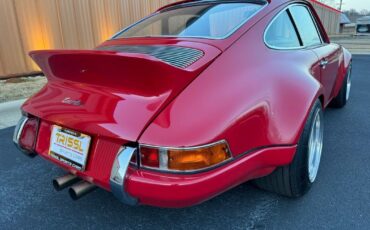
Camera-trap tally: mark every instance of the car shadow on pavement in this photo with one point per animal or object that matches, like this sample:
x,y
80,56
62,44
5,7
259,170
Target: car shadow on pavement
x,y
28,199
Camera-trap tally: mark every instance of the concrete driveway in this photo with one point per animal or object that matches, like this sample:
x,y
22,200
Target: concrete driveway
x,y
355,44
339,200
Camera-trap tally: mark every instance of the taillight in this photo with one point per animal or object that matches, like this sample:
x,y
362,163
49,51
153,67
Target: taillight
x,y
149,157
184,159
25,135
28,136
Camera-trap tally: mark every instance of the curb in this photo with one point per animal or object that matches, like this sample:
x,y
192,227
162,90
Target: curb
x,y
10,113
11,104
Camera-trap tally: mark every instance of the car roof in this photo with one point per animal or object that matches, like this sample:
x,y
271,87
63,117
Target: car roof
x,y
191,2
223,44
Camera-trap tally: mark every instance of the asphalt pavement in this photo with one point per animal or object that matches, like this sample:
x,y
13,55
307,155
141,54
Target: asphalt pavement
x,y
339,200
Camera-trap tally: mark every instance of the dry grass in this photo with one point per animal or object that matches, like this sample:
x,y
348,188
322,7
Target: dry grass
x,y
20,88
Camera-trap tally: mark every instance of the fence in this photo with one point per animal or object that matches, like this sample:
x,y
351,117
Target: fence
x,y
61,24
68,24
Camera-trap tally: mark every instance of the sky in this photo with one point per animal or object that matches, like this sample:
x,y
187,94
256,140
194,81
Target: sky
x,y
356,4
350,4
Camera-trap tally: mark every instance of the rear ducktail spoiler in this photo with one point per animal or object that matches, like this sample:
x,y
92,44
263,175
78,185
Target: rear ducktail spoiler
x,y
113,69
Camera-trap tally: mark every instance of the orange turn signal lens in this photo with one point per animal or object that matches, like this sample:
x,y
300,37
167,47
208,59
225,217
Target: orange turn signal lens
x,y
186,159
198,158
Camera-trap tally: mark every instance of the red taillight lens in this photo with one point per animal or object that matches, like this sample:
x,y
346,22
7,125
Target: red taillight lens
x,y
149,157
28,135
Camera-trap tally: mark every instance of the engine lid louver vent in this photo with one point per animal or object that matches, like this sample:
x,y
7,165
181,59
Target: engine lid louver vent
x,y
180,57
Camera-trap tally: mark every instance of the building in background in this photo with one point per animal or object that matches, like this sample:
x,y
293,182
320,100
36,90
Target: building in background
x,y
346,26
363,26
27,25
329,16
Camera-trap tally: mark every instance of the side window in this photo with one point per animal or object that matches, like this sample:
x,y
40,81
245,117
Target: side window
x,y
281,33
306,26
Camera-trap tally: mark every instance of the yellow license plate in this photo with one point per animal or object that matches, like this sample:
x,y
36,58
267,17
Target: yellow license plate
x,y
69,147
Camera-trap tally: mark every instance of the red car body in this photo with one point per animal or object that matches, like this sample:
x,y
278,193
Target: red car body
x,y
255,98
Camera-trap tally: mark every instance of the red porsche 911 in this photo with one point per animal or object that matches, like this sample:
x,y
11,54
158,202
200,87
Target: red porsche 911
x,y
195,99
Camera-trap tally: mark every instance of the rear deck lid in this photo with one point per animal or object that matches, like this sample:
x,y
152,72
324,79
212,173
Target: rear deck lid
x,y
115,91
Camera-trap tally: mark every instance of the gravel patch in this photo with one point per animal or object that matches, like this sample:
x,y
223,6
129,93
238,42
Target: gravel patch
x,y
20,88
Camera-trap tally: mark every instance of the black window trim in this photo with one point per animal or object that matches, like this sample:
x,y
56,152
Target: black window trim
x,y
205,2
295,27
302,46
314,20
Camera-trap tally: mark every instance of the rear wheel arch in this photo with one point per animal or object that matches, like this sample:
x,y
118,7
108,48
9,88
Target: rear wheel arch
x,y
318,98
345,66
295,179
342,97
347,57
317,95
314,92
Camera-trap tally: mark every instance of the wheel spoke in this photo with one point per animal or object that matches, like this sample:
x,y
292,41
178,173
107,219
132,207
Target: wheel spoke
x,y
349,85
315,146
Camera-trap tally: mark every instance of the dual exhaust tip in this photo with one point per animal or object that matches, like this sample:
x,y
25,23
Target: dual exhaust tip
x,y
78,188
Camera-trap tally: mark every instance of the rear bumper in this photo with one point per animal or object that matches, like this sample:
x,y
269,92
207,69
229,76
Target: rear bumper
x,y
112,171
119,174
176,191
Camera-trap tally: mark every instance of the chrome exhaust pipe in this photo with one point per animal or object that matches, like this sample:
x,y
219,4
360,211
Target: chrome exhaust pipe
x,y
81,189
63,182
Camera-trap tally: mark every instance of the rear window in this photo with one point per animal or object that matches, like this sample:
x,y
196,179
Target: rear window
x,y
214,21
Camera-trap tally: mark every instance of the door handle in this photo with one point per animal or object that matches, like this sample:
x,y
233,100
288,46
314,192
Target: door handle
x,y
324,63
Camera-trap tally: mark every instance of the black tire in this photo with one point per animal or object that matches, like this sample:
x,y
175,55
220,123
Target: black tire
x,y
293,180
341,99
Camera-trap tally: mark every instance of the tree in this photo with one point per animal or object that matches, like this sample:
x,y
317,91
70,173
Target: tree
x,y
351,12
365,12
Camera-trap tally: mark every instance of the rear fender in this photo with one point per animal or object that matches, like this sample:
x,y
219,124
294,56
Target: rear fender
x,y
240,100
345,64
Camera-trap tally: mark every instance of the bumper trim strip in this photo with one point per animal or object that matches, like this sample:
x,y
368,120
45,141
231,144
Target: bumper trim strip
x,y
118,175
18,129
17,134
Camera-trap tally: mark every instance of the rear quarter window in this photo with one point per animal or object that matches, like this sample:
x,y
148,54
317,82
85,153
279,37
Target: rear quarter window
x,y
293,28
306,25
281,32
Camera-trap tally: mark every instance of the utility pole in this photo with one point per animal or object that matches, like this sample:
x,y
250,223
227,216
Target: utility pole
x,y
340,5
